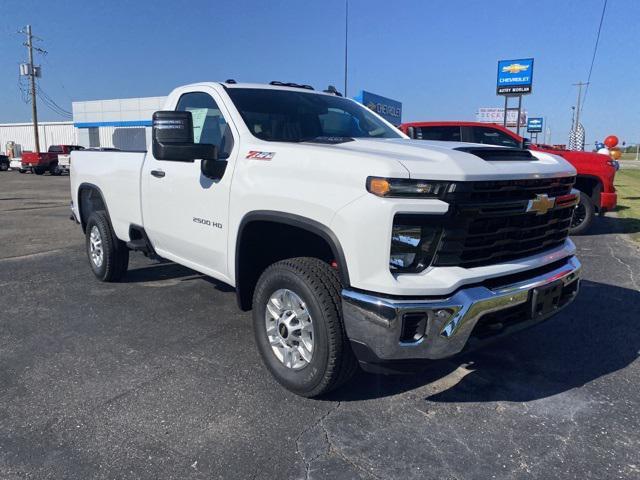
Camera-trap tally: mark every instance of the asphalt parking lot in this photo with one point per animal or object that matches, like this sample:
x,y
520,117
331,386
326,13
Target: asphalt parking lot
x,y
158,377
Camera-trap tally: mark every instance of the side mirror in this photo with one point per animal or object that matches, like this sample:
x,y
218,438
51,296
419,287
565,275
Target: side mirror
x,y
172,138
526,143
213,169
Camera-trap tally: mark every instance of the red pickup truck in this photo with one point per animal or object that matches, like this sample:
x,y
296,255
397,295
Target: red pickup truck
x,y
39,163
595,171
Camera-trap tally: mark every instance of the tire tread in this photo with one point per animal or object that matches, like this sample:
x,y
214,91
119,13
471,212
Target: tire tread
x,y
116,253
324,281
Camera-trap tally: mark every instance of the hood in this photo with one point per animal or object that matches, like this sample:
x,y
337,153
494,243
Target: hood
x,y
432,160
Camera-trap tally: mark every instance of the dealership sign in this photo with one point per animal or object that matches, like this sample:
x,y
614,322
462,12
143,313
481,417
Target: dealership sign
x,y
515,77
390,110
534,125
496,115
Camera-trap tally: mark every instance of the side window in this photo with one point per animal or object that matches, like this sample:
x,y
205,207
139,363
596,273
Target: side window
x,y
491,136
444,133
209,126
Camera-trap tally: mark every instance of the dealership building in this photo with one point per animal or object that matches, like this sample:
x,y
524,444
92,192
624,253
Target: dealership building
x,y
123,123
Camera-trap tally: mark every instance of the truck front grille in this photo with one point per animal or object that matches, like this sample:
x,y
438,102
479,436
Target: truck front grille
x,y
490,224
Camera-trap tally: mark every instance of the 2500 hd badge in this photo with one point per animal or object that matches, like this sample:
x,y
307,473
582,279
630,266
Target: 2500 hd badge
x,y
204,221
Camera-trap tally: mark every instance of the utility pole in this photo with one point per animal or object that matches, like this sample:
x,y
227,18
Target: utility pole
x,y
31,71
346,44
578,104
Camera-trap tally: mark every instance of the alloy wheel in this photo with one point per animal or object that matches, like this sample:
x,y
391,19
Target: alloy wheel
x,y
289,329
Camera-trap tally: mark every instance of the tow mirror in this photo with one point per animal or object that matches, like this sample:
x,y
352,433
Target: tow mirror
x,y
172,138
213,169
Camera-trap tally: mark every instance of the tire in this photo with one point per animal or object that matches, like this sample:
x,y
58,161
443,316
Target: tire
x,y
109,259
54,170
316,284
582,215
4,167
22,170
38,170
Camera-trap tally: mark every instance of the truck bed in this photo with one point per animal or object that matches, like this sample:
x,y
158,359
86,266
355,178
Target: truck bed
x,y
117,175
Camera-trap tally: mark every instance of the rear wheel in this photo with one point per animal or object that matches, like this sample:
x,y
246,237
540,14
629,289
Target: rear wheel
x,y
54,170
582,215
297,321
108,256
38,170
4,167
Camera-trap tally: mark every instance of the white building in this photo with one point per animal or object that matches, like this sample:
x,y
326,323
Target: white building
x,y
51,133
123,123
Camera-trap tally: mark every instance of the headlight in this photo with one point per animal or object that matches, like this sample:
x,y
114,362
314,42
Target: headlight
x,y
413,243
408,188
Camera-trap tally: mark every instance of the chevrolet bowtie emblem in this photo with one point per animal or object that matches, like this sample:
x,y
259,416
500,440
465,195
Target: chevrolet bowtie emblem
x,y
515,68
541,204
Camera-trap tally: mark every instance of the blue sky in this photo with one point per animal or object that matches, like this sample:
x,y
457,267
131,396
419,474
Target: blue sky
x,y
438,57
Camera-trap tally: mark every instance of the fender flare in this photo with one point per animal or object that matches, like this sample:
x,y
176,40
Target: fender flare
x,y
298,221
91,186
597,189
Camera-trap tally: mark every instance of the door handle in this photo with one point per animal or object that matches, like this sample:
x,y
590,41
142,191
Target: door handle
x,y
157,173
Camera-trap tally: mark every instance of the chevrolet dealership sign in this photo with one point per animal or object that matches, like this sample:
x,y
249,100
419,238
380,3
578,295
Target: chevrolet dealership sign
x,y
534,124
515,77
390,110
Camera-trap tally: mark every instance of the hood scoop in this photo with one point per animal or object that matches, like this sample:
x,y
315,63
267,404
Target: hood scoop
x,y
493,154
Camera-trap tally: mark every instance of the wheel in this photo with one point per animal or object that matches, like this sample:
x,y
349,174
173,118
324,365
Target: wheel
x,y
22,170
108,256
582,215
4,167
38,170
297,322
54,170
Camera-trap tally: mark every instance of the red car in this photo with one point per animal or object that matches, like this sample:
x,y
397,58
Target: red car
x,y
595,171
39,163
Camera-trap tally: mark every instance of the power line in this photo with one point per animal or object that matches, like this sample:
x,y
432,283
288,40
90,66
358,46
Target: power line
x,y
595,51
53,107
51,103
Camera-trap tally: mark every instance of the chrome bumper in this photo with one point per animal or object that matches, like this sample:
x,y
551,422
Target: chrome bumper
x,y
379,322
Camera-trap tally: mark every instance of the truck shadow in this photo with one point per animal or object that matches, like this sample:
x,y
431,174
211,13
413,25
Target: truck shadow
x,y
595,336
165,270
606,225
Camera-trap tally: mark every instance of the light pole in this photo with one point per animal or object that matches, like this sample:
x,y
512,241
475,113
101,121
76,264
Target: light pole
x,y
346,44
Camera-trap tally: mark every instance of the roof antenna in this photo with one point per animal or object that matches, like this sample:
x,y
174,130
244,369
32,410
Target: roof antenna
x,y
331,89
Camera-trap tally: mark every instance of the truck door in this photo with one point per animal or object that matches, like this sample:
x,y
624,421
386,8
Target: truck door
x,y
186,213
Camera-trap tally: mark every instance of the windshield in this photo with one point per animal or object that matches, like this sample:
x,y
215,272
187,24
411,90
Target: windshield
x,y
289,116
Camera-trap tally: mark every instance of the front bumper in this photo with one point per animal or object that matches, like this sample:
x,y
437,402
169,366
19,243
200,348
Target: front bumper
x,y
377,326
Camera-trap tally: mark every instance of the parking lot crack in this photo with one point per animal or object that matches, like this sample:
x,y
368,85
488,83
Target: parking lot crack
x,y
300,450
625,264
335,450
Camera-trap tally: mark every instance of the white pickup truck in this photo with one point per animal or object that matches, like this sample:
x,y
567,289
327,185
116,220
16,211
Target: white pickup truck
x,y
351,243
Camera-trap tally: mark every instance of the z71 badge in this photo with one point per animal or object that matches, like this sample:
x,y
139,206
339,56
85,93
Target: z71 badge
x,y
255,155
